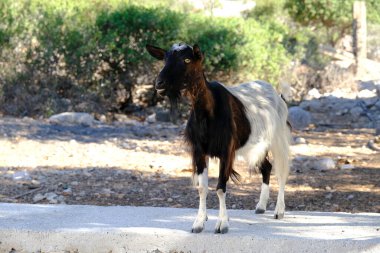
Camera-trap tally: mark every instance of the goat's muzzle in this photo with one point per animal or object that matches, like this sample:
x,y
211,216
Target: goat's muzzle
x,y
160,87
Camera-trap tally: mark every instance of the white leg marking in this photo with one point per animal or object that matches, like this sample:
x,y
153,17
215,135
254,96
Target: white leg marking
x,y
280,205
222,223
261,207
202,212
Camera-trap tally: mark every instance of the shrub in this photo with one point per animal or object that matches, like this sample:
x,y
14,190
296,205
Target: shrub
x,y
66,55
333,15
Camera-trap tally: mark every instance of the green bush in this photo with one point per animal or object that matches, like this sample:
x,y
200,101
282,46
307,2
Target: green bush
x,y
84,53
333,15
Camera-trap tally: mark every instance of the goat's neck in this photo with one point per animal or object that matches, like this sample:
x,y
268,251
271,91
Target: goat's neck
x,y
200,95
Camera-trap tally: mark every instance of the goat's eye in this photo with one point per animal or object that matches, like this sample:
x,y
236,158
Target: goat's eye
x,y
187,60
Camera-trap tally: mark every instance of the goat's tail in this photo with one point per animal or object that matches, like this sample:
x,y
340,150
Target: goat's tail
x,y
230,172
235,177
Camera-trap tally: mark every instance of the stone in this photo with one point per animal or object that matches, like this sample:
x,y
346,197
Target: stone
x,y
21,175
163,116
377,104
67,192
151,118
38,197
314,94
34,184
356,111
300,140
51,197
346,166
299,118
312,106
324,164
76,118
367,93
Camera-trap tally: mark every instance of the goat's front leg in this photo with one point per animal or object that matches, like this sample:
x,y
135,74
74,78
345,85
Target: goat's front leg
x,y
222,224
201,163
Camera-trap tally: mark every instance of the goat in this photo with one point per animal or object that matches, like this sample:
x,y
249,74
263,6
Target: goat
x,y
247,120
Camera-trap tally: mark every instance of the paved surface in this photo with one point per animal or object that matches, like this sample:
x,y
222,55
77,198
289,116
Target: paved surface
x,y
63,228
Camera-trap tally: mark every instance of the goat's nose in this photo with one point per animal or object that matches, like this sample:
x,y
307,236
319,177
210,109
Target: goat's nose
x,y
159,84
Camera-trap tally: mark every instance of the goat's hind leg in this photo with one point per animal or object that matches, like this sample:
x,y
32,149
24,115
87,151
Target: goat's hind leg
x,y
265,169
281,168
222,223
202,178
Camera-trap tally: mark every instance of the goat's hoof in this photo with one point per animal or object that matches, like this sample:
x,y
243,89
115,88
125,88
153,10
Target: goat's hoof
x,y
196,230
259,211
221,231
279,216
221,227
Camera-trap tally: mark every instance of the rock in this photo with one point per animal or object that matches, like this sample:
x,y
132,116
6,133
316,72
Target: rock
x,y
74,183
151,118
356,111
328,196
61,199
120,196
300,140
367,93
170,200
67,192
51,197
34,184
312,105
377,105
106,192
81,118
373,145
346,166
299,118
21,176
38,197
324,164
350,197
314,94
163,116
328,188
103,118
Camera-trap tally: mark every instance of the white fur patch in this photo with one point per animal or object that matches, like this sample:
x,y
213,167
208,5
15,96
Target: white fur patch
x,y
222,224
202,211
267,115
179,47
264,196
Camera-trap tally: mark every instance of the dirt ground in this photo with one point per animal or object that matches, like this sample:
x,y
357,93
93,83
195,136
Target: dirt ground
x,y
147,165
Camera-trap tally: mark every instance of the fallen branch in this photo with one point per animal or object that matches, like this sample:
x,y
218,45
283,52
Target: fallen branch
x,y
28,192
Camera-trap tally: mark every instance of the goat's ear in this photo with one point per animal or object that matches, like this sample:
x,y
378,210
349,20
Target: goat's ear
x,y
156,52
197,52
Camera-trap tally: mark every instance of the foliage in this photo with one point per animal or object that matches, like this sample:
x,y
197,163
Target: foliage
x,y
73,55
333,15
266,9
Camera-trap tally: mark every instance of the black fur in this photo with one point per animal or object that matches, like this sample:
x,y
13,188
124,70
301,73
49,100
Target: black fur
x,y
218,125
219,133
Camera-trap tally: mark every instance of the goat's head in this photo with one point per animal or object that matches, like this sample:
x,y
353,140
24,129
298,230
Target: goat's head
x,y
183,64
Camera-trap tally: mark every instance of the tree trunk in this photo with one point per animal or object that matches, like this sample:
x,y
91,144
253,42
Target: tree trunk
x,y
359,35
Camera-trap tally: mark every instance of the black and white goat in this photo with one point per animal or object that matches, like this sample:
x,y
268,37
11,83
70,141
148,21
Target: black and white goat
x,y
248,120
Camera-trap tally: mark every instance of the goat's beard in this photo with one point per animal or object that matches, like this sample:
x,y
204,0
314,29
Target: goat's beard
x,y
174,98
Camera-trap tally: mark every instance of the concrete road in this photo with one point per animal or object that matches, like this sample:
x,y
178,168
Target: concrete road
x,y
64,228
